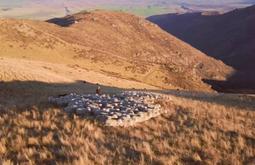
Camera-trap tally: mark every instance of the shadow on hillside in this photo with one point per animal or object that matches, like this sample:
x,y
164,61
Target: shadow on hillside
x,y
240,82
67,20
64,22
25,94
34,93
207,35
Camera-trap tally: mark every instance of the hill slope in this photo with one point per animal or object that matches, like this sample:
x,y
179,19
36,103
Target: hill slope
x,y
197,128
114,49
22,70
229,37
112,43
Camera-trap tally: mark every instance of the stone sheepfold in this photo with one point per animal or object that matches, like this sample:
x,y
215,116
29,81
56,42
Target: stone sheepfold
x,y
124,109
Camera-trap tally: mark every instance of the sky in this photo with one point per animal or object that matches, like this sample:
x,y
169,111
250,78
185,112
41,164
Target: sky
x,y
45,9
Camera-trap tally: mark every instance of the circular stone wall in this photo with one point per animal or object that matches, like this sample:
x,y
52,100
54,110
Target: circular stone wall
x,y
124,109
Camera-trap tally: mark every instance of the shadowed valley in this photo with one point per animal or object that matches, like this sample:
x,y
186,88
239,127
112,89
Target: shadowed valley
x,y
228,37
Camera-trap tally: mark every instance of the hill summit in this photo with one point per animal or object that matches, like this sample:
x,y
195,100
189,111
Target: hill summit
x,y
112,43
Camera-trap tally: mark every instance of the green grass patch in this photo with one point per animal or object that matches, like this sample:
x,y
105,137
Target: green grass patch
x,y
141,11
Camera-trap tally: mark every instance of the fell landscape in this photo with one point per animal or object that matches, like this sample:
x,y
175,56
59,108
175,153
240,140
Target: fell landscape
x,y
228,37
61,76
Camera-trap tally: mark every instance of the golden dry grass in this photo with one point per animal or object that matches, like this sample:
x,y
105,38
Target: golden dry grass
x,y
196,129
113,43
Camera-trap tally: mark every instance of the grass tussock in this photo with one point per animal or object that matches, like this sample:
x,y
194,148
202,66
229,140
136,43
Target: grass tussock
x,y
189,132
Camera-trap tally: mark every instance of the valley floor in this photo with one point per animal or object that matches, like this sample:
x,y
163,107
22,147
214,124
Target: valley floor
x,y
197,128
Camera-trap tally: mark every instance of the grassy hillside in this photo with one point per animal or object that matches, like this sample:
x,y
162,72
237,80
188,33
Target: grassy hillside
x,y
100,41
197,128
120,52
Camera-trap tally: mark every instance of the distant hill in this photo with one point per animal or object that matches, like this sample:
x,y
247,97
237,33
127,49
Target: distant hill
x,y
229,37
112,43
42,10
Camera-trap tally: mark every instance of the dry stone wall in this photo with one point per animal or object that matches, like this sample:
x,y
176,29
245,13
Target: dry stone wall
x,y
124,109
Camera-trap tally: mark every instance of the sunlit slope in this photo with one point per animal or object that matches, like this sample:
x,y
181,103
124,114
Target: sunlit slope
x,y
112,43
